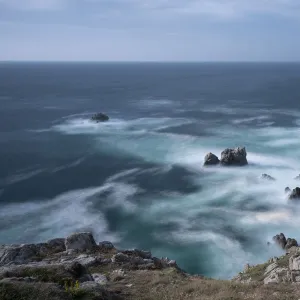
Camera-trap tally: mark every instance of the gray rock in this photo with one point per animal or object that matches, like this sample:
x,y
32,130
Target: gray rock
x,y
100,278
270,268
294,263
120,258
100,117
117,275
277,275
139,253
80,241
211,159
58,245
106,245
234,157
172,263
295,194
280,240
297,177
17,254
88,260
267,177
290,243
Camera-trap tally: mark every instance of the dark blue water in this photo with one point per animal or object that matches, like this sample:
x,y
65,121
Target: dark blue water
x,y
138,179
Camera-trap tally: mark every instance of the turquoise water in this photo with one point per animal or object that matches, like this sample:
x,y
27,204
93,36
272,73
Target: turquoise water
x,y
138,179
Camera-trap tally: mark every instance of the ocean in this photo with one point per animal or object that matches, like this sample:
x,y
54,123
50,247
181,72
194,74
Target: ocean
x,y
138,180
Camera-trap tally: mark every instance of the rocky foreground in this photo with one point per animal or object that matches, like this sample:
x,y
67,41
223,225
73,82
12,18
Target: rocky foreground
x,y
78,268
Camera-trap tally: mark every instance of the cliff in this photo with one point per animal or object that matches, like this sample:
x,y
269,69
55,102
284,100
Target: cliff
x,y
78,268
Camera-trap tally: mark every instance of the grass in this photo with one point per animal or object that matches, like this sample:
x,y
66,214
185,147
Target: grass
x,y
283,261
158,285
256,273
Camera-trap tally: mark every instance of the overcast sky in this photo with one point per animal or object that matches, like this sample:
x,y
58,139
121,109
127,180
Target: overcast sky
x,y
150,30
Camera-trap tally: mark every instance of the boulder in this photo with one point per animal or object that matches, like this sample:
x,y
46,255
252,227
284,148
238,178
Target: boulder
x,y
57,245
120,258
211,159
267,177
100,117
280,240
290,243
295,194
234,157
100,278
80,241
105,245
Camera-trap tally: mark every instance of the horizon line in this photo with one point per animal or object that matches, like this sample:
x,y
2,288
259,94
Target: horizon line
x,y
146,61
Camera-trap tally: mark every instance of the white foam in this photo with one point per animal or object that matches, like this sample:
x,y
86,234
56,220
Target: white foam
x,y
251,119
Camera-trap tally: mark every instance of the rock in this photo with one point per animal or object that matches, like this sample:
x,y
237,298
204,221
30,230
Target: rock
x,y
139,253
117,275
88,260
120,258
172,263
270,268
294,263
287,190
57,245
246,268
297,177
277,275
100,117
295,194
80,241
106,245
280,240
267,177
234,157
211,159
290,243
18,254
100,278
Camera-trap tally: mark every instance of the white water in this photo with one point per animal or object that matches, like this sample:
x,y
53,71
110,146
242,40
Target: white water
x,y
229,198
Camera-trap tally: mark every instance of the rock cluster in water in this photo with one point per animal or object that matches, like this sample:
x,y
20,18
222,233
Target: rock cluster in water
x,y
229,157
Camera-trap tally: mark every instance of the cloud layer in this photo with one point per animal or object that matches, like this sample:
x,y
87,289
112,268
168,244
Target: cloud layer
x,y
150,29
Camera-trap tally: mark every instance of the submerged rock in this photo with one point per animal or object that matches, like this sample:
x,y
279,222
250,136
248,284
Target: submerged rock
x,y
295,194
211,159
100,117
267,177
234,157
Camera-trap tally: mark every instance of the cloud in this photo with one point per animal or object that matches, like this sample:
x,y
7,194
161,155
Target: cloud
x,y
33,4
224,9
216,8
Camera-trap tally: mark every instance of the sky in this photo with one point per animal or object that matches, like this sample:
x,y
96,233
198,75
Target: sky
x,y
150,30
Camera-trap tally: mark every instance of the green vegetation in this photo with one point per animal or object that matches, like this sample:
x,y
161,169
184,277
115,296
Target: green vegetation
x,y
256,273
